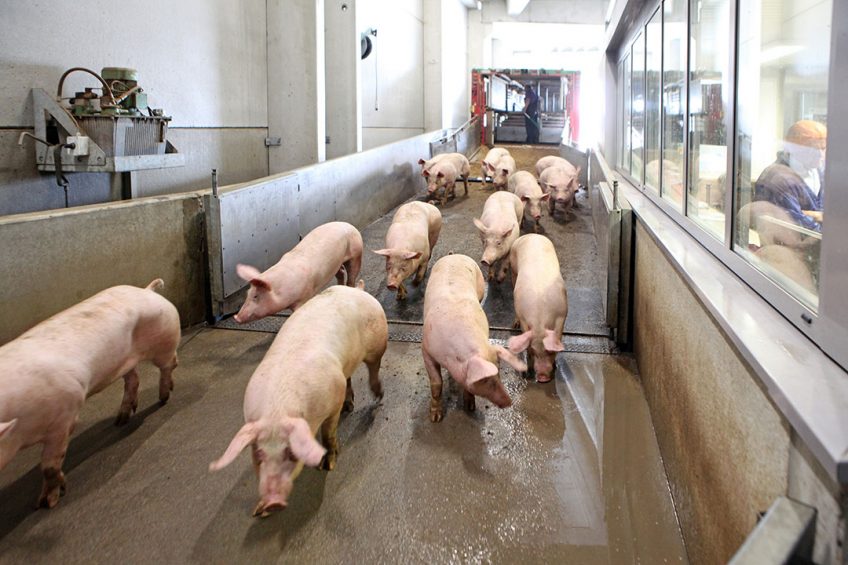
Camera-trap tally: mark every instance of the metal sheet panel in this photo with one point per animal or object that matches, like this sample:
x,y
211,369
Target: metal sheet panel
x,y
259,223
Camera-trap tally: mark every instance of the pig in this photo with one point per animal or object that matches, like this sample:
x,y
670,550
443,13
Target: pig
x,y
47,373
551,161
302,384
499,226
441,173
561,184
525,186
541,303
503,169
334,248
487,165
456,336
409,242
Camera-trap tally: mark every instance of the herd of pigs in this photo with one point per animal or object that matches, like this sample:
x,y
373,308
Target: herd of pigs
x,y
303,382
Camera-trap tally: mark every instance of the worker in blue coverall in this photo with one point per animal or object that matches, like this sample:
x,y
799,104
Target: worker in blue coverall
x,y
531,114
795,181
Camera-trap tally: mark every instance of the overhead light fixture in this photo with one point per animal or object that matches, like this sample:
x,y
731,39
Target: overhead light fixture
x,y
479,5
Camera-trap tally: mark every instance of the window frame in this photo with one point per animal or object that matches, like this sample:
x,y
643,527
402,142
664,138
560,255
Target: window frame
x,y
827,327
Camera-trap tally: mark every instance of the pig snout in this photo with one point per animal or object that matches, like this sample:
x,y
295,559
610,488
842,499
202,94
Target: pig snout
x,y
543,369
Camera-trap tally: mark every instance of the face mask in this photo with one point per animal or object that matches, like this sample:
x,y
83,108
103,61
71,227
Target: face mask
x,y
808,157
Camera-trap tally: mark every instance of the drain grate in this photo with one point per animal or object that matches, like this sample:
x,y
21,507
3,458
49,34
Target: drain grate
x,y
412,333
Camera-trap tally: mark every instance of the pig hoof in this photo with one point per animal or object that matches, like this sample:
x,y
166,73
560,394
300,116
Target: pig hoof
x,y
516,324
122,419
328,463
347,406
436,416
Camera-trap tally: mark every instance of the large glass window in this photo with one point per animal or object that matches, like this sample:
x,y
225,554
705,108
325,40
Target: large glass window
x,y
628,101
637,118
709,94
783,54
653,100
674,100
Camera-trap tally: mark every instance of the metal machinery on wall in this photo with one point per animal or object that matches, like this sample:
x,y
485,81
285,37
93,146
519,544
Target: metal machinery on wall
x,y
497,96
114,131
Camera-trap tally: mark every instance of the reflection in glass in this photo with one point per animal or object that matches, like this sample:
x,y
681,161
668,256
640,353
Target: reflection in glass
x,y
781,139
625,146
709,93
637,118
653,100
674,100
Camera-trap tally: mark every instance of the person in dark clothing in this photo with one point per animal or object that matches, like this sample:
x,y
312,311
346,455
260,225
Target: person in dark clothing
x,y
531,114
795,181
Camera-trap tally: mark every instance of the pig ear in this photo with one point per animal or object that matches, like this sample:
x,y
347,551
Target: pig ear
x,y
510,358
546,195
360,284
579,169
246,272
508,232
412,255
552,341
440,174
480,225
6,427
421,161
426,174
245,436
479,369
302,441
519,343
383,252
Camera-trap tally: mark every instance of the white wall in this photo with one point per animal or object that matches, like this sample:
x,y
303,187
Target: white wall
x,y
455,94
392,84
202,61
342,53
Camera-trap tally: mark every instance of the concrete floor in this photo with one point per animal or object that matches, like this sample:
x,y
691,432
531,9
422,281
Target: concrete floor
x,y
564,475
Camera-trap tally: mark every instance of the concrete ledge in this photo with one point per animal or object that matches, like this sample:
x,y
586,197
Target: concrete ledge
x,y
808,387
54,259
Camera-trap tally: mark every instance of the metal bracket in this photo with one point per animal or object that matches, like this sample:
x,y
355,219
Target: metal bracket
x,y
273,141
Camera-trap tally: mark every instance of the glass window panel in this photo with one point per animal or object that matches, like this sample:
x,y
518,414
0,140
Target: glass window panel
x,y
653,100
620,120
783,54
674,100
709,93
637,119
625,146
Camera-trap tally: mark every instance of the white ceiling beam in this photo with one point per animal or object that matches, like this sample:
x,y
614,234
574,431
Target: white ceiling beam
x,y
515,7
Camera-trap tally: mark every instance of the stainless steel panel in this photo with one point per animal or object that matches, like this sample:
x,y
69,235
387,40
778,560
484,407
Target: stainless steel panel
x,y
259,223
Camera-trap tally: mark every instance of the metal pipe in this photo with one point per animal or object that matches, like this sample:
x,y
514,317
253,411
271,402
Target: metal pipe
x,y
215,183
28,134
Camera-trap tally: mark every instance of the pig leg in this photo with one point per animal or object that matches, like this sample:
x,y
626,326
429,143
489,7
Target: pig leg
x,y
422,269
330,440
465,182
129,403
166,381
353,266
401,292
504,266
348,401
374,376
468,401
434,373
340,275
52,457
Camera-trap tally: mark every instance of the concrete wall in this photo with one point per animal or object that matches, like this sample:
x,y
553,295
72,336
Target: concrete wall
x,y
728,451
342,71
214,89
50,261
393,77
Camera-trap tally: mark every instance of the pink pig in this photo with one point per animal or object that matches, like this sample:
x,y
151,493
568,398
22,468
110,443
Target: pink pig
x,y
47,373
441,173
302,384
525,186
489,162
541,302
503,169
456,336
410,240
499,226
330,249
559,178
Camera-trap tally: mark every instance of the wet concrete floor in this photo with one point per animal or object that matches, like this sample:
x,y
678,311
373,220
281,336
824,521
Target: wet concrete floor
x,y
571,473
